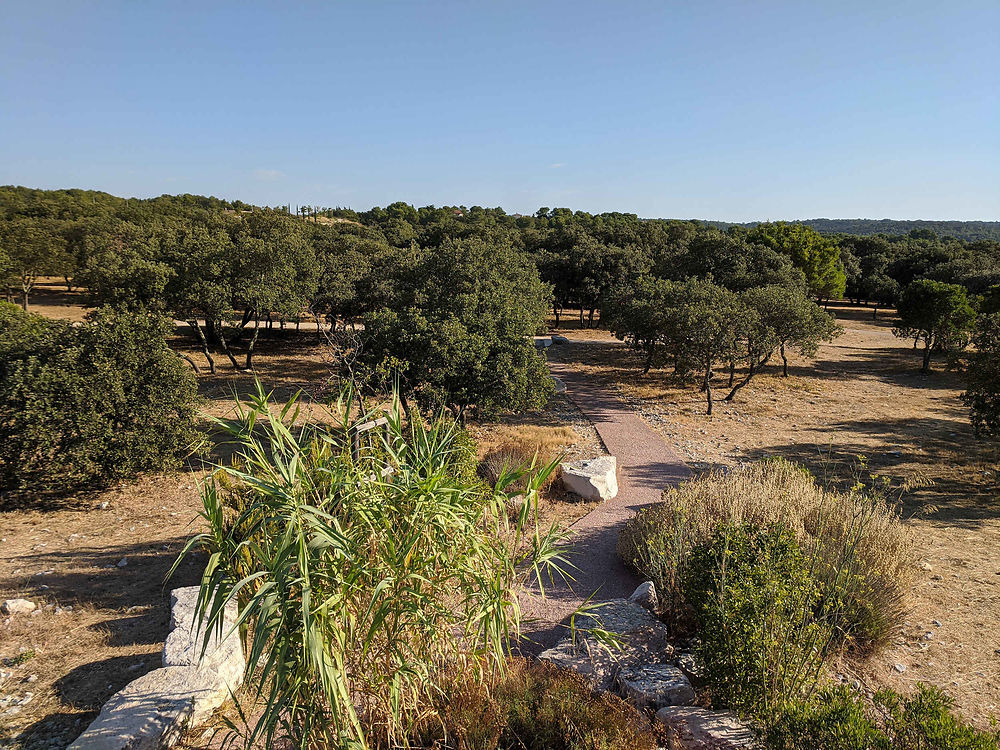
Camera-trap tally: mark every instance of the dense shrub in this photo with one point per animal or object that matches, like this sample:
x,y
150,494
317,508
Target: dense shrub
x,y
837,719
361,590
763,634
457,328
534,706
858,550
89,403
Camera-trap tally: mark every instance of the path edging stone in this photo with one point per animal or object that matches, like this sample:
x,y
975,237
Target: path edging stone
x,y
153,711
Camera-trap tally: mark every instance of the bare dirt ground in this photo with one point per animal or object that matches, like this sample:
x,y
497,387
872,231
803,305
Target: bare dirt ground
x,y
95,563
863,396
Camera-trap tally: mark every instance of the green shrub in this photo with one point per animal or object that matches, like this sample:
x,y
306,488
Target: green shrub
x,y
89,403
361,592
838,719
859,551
534,706
758,609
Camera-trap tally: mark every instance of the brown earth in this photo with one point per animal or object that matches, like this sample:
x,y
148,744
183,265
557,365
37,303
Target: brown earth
x,y
860,408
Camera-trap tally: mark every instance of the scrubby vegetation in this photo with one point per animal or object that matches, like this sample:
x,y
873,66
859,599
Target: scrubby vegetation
x,y
365,580
838,719
857,549
90,403
774,575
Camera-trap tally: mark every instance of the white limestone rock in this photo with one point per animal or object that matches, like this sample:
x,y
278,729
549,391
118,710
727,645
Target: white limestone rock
x,y
700,729
183,647
558,385
655,686
645,640
18,607
153,711
595,479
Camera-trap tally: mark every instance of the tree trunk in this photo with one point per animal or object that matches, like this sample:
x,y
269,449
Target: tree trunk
x,y
581,315
732,371
253,342
750,373
186,358
875,312
784,361
707,386
649,358
69,284
225,348
926,368
24,299
590,321
555,312
204,344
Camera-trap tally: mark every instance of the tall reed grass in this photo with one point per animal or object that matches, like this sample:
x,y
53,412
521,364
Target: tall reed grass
x,y
356,590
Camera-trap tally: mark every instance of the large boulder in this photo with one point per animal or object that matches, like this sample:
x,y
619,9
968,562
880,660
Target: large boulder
x,y
596,479
701,729
153,711
185,645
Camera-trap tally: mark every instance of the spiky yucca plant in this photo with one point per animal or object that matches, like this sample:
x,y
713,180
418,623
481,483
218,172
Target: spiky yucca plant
x,y
357,590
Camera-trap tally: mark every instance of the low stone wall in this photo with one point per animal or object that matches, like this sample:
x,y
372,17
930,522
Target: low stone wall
x,y
647,671
153,711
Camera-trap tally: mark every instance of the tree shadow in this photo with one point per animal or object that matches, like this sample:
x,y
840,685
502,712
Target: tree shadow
x,y
932,475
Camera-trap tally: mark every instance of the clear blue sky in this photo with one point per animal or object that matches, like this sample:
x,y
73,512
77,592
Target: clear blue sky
x,y
721,110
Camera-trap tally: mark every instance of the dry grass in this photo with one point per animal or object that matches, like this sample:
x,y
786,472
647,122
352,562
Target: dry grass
x,y
852,536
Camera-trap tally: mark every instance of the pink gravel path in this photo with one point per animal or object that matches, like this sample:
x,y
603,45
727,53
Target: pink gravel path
x,y
646,466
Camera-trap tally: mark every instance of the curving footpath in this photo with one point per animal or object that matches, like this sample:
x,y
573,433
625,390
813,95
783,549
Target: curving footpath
x,y
646,466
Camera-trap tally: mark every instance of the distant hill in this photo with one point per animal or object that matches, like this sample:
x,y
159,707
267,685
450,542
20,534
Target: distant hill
x,y
969,231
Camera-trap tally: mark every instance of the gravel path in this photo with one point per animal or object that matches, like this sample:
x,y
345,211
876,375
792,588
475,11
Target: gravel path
x,y
646,465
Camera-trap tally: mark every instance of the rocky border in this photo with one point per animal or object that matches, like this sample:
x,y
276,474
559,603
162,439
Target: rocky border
x,y
153,711
646,671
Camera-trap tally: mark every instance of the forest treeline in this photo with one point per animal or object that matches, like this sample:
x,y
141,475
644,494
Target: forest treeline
x,y
439,304
448,295
162,245
969,231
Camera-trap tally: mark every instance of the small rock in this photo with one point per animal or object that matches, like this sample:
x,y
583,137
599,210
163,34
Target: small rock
x,y
936,623
928,636
926,566
900,668
645,596
123,562
104,505
17,607
689,663
655,686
